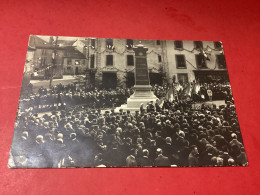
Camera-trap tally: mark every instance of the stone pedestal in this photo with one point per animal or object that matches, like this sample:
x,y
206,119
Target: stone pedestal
x,y
142,94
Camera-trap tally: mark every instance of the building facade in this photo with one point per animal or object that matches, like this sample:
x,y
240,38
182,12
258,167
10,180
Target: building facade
x,y
200,60
110,63
74,62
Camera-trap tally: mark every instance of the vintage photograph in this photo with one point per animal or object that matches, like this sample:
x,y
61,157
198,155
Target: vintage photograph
x,y
105,102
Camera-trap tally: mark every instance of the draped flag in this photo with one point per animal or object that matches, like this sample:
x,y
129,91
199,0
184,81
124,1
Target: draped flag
x,y
170,92
187,89
178,87
169,95
202,52
197,87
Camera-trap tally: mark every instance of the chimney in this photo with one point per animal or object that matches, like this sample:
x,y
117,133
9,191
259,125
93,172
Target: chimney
x,y
51,40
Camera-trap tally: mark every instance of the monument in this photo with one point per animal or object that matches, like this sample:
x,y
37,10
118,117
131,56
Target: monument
x,y
143,94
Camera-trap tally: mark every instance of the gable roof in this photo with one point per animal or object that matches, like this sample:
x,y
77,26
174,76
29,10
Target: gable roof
x,y
37,42
84,41
71,52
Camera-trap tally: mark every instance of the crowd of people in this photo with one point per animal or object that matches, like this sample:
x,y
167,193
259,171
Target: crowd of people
x,y
171,134
215,91
60,97
201,92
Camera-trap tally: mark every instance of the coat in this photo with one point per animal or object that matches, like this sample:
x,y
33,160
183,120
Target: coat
x,y
162,161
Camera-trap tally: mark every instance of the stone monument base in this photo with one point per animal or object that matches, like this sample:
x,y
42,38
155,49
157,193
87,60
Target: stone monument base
x,y
142,95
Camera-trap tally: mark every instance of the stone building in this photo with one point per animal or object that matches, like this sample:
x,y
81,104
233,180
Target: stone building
x,y
111,62
43,58
189,60
74,62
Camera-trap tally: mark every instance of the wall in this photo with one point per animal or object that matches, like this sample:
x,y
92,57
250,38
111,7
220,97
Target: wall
x,y
120,53
72,71
190,58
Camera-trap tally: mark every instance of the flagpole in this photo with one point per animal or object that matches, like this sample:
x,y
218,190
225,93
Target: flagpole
x,y
54,63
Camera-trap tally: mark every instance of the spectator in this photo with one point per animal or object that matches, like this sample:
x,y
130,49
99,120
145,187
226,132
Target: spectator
x,y
87,136
161,161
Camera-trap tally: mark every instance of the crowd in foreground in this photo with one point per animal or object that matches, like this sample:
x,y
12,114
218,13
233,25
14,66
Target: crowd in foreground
x,y
172,134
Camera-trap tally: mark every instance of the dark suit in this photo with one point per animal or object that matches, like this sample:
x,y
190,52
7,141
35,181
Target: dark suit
x,y
162,161
144,162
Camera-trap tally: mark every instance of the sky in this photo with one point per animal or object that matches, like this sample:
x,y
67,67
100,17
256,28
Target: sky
x,y
47,38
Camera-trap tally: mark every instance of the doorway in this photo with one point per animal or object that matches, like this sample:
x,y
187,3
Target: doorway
x,y
77,71
109,80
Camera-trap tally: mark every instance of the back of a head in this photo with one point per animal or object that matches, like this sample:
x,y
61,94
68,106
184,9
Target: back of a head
x,y
159,151
168,140
145,152
234,136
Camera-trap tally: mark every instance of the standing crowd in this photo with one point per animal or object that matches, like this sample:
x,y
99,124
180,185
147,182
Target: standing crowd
x,y
170,134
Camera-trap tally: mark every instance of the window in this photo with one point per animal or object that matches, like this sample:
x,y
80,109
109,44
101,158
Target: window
x,y
69,68
182,78
178,44
198,44
83,62
159,58
129,43
109,60
109,43
93,43
200,61
77,62
158,42
92,61
218,45
130,60
221,61
69,61
180,61
43,62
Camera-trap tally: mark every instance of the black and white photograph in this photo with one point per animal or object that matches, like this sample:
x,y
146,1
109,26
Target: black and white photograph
x,y
106,102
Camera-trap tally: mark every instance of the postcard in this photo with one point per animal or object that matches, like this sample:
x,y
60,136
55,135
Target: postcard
x,y
105,102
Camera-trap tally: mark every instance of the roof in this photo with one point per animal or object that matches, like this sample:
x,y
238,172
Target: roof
x,y
64,43
84,41
37,42
71,52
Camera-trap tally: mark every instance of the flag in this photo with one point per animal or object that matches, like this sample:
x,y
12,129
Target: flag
x,y
187,89
197,88
178,87
202,52
169,94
